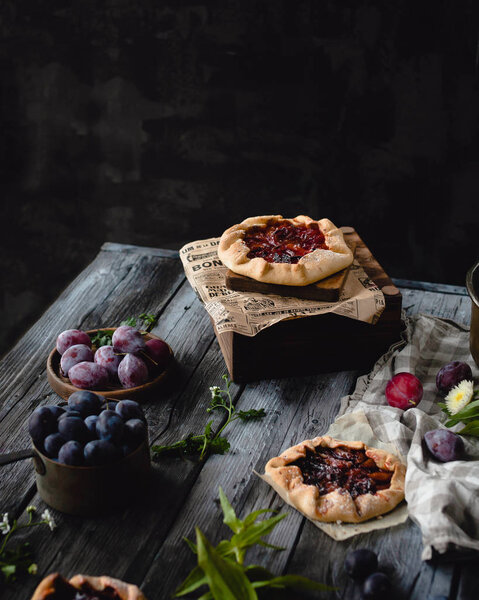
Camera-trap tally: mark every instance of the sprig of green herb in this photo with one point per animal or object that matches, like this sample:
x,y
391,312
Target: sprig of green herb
x,y
209,442
469,415
145,321
221,568
101,338
19,560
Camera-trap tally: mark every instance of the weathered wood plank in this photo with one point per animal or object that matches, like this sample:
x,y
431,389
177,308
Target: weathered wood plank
x,y
128,248
125,543
457,308
143,543
426,286
112,286
297,408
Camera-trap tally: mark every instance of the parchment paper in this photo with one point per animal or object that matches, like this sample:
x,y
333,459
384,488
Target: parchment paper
x,y
249,313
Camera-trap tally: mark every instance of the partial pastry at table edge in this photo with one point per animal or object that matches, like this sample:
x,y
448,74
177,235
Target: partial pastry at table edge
x,y
337,505
54,587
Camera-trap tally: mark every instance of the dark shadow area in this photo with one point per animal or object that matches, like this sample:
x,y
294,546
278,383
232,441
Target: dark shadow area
x,y
159,123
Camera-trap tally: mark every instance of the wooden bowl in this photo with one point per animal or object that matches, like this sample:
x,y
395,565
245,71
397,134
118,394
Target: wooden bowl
x,y
63,387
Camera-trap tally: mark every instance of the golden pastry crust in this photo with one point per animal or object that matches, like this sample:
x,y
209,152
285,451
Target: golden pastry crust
x,y
54,586
339,504
312,267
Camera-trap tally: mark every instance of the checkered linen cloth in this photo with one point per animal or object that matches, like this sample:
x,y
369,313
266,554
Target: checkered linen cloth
x,y
443,498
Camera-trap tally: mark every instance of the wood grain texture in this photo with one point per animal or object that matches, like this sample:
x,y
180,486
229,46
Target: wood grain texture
x,y
143,544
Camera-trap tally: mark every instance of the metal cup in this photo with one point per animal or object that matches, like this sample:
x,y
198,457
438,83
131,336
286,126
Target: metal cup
x,y
472,284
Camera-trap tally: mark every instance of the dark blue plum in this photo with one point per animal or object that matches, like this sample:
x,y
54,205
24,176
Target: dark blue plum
x,y
129,409
110,426
376,587
69,413
360,563
90,422
74,428
57,411
42,422
135,432
52,444
109,404
444,445
86,403
71,453
101,452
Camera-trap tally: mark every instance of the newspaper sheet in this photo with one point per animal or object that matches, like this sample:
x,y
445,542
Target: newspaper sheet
x,y
249,313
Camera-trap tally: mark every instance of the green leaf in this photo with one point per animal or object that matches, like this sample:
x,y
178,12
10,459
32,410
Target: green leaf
x,y
293,581
227,580
207,596
251,518
470,411
9,572
101,338
229,514
272,546
219,445
252,414
130,321
195,580
471,428
149,320
191,545
253,534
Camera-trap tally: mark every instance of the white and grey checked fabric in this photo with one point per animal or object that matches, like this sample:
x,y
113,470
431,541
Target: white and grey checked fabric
x,y
443,498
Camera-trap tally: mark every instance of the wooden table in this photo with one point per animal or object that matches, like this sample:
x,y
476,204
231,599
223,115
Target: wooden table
x,y
144,543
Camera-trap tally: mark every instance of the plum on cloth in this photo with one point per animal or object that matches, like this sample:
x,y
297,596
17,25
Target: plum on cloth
x,y
441,497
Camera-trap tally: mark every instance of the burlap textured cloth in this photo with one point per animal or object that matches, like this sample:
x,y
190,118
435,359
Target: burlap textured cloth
x,y
443,498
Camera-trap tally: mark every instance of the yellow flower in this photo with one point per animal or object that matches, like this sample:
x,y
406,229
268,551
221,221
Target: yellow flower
x,y
459,396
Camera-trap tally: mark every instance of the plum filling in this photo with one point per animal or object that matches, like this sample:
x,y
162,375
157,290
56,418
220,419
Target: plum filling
x,y
283,242
330,469
88,593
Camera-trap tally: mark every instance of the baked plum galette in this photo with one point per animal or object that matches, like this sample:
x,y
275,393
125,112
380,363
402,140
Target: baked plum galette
x,y
84,587
332,480
273,249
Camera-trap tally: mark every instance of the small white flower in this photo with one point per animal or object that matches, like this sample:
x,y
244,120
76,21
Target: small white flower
x,y
47,517
33,568
31,509
459,396
214,389
4,524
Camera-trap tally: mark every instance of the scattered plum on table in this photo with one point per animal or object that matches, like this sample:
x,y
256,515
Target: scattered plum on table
x,y
404,391
451,375
360,563
376,587
444,445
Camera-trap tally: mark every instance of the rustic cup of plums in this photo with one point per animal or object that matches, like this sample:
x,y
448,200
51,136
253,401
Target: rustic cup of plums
x,y
135,367
90,455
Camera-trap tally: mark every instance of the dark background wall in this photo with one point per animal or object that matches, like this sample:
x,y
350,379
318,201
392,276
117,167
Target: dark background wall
x,y
156,123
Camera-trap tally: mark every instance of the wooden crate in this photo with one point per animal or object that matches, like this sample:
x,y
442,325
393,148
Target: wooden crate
x,y
318,344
